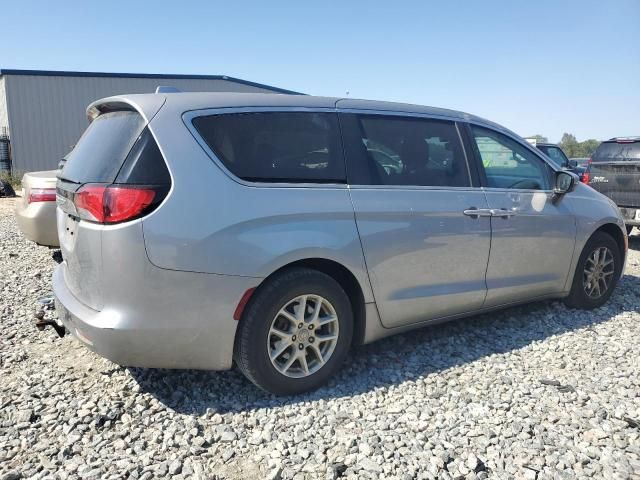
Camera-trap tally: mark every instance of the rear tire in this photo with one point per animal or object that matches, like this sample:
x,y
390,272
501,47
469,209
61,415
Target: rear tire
x,y
270,343
597,272
6,190
629,229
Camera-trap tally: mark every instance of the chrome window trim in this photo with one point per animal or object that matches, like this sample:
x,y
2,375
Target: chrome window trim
x,y
414,187
519,190
399,113
189,115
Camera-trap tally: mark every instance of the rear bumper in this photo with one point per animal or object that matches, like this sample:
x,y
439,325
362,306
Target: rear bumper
x,y
37,221
171,320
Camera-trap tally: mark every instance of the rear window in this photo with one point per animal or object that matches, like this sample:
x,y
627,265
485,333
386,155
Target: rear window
x,y
276,146
103,147
616,152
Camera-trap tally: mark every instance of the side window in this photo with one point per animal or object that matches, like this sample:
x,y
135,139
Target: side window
x,y
394,150
276,146
507,164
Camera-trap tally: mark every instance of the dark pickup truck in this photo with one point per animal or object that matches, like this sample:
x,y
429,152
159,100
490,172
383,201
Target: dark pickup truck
x,y
614,171
557,155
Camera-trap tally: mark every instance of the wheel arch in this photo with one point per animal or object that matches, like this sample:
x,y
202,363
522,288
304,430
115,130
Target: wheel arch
x,y
585,231
611,228
575,297
343,276
614,230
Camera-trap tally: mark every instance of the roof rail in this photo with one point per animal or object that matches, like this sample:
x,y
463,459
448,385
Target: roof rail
x,y
167,89
630,139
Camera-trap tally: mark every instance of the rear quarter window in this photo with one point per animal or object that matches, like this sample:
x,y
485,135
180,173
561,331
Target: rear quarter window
x,y
298,147
103,147
615,152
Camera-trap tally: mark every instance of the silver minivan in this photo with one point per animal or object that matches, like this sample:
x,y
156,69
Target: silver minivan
x,y
276,231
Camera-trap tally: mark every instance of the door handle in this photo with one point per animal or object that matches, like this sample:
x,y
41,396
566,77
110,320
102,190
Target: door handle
x,y
502,212
475,212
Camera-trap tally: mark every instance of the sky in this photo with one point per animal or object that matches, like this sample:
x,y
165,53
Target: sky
x,y
538,67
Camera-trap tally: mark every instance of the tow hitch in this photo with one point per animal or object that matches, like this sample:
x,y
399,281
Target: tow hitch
x,y
48,303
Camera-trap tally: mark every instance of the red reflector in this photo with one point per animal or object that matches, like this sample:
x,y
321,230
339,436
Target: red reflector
x,y
111,204
42,195
243,303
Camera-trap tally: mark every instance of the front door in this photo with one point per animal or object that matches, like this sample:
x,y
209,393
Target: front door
x,y
532,237
410,187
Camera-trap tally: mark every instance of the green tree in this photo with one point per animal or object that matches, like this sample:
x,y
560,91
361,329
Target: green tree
x,y
574,149
589,146
569,145
540,138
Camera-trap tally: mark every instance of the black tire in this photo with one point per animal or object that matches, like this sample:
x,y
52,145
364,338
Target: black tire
x,y
578,297
250,350
6,190
629,229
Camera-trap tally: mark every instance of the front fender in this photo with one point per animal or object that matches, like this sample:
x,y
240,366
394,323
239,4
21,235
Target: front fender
x,y
592,211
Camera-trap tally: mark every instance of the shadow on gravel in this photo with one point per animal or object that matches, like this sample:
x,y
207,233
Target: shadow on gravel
x,y
634,242
391,361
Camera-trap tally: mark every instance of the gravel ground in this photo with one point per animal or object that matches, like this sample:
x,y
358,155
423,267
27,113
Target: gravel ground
x,y
538,392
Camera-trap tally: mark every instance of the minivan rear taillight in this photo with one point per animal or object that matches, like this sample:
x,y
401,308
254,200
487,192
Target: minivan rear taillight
x,y
42,195
116,203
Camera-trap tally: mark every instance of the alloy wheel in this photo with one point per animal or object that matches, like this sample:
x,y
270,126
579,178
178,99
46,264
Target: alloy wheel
x,y
598,272
303,336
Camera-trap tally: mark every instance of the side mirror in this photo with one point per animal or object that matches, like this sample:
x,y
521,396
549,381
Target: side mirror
x,y
572,163
565,182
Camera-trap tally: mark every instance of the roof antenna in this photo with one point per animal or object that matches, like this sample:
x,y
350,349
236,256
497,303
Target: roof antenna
x,y
166,89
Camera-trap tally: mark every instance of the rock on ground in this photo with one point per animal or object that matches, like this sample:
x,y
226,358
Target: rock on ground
x,y
533,392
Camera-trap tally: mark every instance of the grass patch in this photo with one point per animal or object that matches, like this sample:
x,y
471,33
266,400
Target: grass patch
x,y
14,178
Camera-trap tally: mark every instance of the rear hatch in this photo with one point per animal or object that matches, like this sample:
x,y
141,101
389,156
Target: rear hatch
x,y
114,175
615,171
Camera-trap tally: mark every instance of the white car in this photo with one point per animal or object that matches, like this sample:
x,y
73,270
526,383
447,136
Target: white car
x,y
36,210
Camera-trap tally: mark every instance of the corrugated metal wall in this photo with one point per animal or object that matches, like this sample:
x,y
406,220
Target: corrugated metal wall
x,y
4,118
48,112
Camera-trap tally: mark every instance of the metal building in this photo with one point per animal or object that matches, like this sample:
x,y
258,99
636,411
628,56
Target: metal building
x,y
44,112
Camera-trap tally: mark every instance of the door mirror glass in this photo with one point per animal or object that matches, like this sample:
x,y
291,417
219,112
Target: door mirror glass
x,y
565,182
573,163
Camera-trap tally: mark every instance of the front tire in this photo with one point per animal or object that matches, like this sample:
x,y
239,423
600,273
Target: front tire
x,y
597,272
295,332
